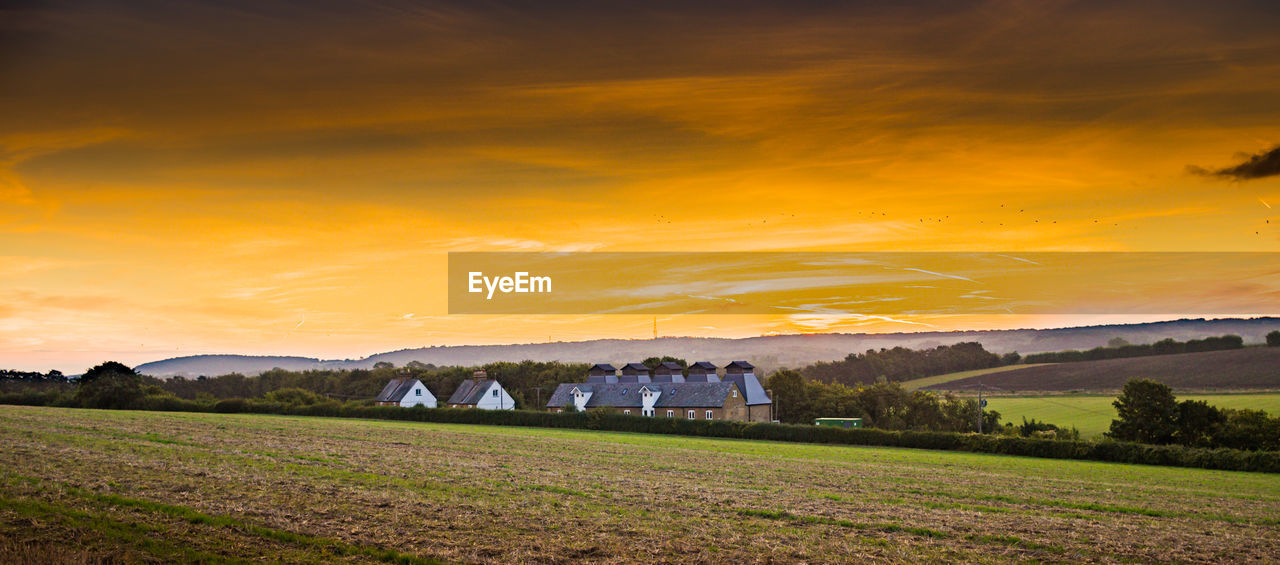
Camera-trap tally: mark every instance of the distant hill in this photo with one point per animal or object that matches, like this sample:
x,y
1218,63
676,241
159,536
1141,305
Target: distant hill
x,y
212,365
767,352
1252,368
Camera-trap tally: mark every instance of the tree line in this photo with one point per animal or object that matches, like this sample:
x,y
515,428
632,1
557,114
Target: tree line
x,y
880,405
528,382
1120,350
902,364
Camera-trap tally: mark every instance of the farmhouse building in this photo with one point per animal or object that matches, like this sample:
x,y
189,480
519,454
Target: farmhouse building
x,y
481,392
405,393
668,394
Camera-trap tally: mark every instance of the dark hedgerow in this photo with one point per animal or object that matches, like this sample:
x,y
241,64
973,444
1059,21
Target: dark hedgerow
x,y
1107,451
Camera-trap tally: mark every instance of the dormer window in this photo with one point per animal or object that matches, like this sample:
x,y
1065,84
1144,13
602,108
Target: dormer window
x,y
624,391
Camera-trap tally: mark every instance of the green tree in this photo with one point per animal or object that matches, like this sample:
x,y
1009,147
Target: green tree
x,y
107,368
1198,423
1147,412
653,362
109,385
1117,342
1248,429
384,365
1273,339
793,400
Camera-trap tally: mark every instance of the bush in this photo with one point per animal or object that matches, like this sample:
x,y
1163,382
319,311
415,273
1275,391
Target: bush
x,y
293,396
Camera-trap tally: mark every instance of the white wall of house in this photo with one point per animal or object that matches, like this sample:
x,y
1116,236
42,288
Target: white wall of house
x,y
580,399
496,398
418,395
649,397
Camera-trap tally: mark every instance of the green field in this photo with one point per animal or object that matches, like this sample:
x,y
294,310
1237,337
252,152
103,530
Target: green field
x,y
914,384
88,486
1092,414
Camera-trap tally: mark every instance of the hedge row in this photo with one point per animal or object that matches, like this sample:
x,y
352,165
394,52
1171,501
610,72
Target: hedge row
x,y
1107,451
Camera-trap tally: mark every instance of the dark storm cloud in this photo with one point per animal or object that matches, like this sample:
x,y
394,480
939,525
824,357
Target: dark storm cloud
x,y
1261,165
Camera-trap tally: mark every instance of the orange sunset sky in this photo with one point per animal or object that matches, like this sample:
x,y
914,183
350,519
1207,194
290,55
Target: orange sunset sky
x,y
286,178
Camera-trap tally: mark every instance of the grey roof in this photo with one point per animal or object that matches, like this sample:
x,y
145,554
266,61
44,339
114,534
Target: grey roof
x,y
635,367
703,365
470,391
670,366
603,367
750,387
740,365
627,395
395,390
633,378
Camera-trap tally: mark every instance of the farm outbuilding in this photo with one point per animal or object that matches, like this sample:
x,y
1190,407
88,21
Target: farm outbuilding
x,y
839,422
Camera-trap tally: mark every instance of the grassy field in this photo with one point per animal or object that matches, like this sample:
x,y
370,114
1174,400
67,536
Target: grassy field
x,y
1092,414
915,384
80,485
1251,368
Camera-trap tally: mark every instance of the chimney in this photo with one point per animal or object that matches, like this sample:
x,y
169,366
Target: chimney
x,y
480,375
602,373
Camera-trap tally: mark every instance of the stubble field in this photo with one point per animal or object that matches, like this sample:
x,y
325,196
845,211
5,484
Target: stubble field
x,y
85,486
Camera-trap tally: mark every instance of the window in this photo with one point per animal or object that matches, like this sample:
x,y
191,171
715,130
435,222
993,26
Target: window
x,y
709,414
495,393
627,412
671,413
648,412
624,391
735,393
691,414
417,392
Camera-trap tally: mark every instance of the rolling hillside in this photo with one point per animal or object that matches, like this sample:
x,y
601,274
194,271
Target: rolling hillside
x,y
767,352
917,384
1252,368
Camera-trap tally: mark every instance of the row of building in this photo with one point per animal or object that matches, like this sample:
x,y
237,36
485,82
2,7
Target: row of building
x,y
669,391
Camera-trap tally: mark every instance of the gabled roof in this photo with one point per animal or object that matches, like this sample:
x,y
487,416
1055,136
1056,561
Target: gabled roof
x,y
670,366
628,395
603,367
703,365
750,386
395,390
470,391
635,367
740,365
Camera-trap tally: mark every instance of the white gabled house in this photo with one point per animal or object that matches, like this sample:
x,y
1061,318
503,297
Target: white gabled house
x,y
481,392
406,393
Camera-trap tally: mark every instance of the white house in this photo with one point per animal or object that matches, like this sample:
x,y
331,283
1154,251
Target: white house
x,y
481,392
406,393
